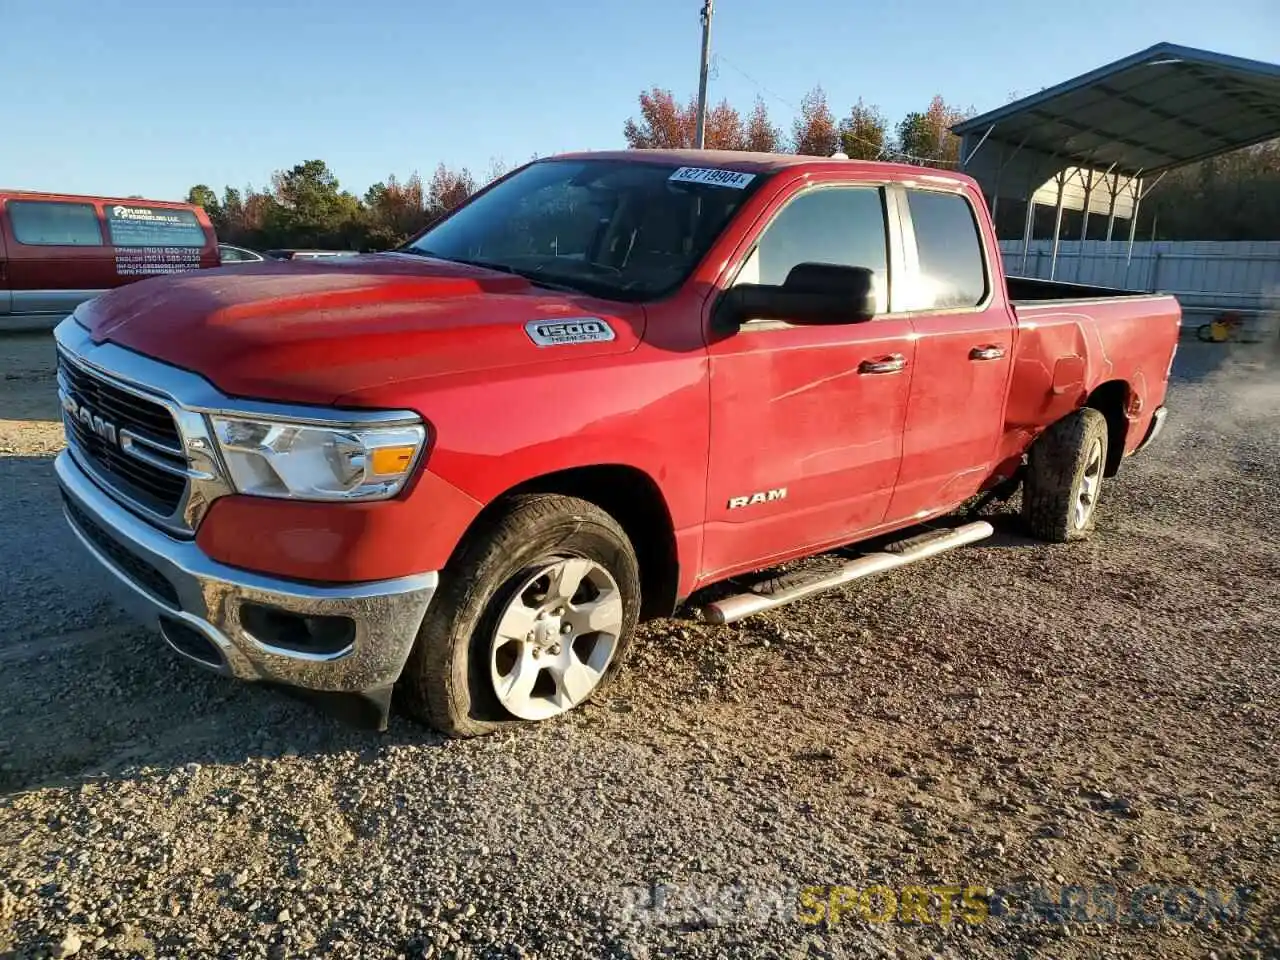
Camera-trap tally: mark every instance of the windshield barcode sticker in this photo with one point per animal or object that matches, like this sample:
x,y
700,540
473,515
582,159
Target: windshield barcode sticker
x,y
714,178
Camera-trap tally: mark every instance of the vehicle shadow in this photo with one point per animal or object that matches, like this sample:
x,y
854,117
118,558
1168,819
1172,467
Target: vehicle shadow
x,y
28,371
86,694
120,705
1010,532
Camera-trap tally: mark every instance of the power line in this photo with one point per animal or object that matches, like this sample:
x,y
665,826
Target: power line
x,y
756,83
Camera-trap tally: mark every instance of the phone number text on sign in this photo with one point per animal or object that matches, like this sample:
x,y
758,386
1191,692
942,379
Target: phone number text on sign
x,y
712,177
153,261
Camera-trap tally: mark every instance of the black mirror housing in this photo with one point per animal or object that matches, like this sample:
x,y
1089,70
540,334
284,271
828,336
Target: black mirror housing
x,y
812,293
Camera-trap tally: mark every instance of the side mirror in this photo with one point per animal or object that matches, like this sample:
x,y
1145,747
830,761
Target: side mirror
x,y
812,293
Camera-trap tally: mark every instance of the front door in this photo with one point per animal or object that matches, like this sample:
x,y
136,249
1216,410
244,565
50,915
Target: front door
x,y
963,355
806,420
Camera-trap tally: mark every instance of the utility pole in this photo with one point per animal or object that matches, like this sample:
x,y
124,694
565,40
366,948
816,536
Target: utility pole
x,y
700,135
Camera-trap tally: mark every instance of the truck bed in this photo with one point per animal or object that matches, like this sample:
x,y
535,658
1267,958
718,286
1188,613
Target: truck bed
x,y
1035,290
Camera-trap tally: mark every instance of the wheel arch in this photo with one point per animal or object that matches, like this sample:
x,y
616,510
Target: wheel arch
x,y
1112,399
631,497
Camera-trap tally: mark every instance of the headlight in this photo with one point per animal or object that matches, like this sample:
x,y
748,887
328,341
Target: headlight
x,y
271,458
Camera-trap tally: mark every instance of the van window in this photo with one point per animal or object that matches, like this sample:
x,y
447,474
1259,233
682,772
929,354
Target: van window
x,y
44,223
142,226
951,269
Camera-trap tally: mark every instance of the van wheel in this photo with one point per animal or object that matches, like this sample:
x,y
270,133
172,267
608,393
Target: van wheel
x,y
533,617
1064,477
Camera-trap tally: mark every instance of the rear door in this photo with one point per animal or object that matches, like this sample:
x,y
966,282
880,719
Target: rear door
x,y
56,255
964,345
806,420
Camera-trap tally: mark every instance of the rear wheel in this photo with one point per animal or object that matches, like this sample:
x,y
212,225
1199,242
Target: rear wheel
x,y
534,617
1064,477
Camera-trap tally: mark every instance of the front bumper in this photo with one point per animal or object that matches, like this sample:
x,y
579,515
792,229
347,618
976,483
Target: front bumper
x,y
197,603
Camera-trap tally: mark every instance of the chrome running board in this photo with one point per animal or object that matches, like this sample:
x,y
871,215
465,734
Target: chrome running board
x,y
895,555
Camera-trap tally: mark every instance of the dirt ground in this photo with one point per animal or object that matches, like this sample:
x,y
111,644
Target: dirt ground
x,y
1035,726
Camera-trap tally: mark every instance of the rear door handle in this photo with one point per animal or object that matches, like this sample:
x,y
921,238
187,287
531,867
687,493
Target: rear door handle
x,y
988,352
893,363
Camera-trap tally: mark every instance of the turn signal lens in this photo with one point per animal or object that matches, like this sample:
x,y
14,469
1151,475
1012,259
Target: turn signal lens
x,y
392,461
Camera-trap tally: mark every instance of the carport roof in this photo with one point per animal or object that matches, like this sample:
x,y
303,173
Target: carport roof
x,y
1159,108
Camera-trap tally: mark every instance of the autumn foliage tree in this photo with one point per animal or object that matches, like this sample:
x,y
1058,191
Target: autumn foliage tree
x,y
761,135
724,130
922,137
448,189
814,132
663,123
667,124
863,132
394,210
306,207
927,138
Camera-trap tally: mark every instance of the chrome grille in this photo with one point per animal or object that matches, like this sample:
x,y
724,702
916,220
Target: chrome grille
x,y
131,442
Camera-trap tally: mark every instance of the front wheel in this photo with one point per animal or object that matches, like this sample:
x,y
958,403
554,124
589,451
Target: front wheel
x,y
1064,477
533,618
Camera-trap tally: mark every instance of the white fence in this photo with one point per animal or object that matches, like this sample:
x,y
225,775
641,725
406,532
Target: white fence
x,y
1206,276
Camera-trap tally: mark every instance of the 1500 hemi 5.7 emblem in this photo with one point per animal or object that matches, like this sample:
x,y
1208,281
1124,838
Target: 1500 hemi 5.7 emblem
x,y
760,496
556,333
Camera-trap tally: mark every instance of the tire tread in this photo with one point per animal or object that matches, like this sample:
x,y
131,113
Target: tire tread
x,y
1055,464
429,686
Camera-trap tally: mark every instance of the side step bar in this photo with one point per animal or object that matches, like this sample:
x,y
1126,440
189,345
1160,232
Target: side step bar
x,y
732,609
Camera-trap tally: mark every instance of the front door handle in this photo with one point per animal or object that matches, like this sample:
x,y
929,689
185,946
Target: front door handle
x,y
893,363
988,352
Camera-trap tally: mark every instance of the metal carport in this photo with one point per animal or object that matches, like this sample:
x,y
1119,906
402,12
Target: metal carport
x,y
1105,138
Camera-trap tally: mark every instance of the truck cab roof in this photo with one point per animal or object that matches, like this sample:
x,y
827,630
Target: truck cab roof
x,y
765,163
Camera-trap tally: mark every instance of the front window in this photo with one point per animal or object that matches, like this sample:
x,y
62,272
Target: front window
x,y
619,229
841,225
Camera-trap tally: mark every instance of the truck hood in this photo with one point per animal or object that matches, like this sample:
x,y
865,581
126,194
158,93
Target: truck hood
x,y
315,331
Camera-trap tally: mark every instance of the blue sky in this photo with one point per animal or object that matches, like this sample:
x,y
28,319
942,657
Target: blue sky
x,y
151,96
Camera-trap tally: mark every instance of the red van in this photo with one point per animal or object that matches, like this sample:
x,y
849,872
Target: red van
x,y
56,251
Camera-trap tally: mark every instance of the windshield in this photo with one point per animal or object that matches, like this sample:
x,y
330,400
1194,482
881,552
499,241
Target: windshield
x,y
618,229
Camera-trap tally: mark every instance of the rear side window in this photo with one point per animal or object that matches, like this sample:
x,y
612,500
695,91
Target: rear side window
x,y
49,223
840,225
950,247
141,226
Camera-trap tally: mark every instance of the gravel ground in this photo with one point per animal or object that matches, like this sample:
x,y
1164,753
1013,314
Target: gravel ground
x,y
1008,717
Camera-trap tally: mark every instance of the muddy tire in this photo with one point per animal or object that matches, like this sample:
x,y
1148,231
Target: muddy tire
x,y
1064,474
534,616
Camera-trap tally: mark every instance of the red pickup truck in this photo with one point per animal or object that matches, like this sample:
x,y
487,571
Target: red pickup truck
x,y
465,469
